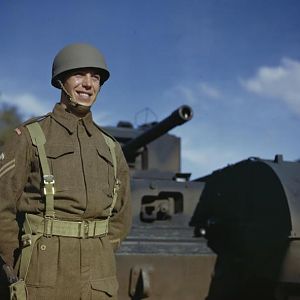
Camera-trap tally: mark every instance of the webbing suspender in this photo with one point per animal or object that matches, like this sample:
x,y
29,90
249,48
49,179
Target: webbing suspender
x,y
28,239
38,139
111,145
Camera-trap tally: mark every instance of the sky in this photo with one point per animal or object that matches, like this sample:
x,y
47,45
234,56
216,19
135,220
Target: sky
x,y
236,63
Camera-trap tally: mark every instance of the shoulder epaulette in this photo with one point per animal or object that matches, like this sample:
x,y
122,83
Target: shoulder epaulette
x,y
35,119
18,129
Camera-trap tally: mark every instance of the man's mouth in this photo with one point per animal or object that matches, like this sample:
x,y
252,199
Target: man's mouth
x,y
83,95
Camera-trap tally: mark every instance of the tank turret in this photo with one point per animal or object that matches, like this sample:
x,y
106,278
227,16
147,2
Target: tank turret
x,y
179,116
150,149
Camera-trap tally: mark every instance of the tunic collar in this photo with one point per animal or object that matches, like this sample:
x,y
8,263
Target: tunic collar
x,y
70,121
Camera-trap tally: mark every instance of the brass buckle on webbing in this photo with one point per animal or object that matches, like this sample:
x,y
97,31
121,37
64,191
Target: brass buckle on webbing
x,y
26,240
48,226
83,229
116,186
49,184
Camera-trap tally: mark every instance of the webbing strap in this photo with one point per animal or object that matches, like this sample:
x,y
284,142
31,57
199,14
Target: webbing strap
x,y
38,139
29,241
111,144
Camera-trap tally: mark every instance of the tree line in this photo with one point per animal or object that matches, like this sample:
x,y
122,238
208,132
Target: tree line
x,y
10,118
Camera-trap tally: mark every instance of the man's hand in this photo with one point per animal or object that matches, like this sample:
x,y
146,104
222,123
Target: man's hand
x,y
10,274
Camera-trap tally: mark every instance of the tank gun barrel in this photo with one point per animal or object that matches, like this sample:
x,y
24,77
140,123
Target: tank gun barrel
x,y
181,115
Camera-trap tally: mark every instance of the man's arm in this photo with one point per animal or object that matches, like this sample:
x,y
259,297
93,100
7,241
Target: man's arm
x,y
14,168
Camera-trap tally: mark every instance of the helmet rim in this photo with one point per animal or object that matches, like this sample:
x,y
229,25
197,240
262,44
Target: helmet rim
x,y
78,56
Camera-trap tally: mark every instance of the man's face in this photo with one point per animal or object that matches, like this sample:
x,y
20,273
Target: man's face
x,y
83,85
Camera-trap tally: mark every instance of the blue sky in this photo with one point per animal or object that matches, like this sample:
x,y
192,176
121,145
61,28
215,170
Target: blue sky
x,y
235,62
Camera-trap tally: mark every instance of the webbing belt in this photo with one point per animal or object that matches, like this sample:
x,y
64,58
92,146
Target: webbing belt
x,y
36,226
78,229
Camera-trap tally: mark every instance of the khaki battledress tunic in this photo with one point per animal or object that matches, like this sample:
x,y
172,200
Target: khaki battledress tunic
x,y
80,160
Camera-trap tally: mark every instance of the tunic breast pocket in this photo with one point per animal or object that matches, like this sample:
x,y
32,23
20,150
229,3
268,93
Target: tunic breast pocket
x,y
63,165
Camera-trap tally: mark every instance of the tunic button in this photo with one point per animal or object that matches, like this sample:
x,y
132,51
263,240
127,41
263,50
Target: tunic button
x,y
43,247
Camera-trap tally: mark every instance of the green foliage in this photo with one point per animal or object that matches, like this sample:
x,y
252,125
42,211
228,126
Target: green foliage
x,y
9,119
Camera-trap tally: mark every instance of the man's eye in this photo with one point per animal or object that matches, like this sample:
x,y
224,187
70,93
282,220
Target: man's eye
x,y
96,77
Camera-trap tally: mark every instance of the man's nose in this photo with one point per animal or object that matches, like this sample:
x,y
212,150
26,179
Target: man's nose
x,y
87,80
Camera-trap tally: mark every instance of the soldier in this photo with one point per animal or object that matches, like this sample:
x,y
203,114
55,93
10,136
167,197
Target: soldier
x,y
65,192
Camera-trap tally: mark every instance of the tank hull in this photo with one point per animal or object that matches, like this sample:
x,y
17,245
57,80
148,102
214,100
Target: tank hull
x,y
164,277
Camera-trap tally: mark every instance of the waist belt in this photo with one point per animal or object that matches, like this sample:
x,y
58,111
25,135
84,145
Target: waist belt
x,y
78,229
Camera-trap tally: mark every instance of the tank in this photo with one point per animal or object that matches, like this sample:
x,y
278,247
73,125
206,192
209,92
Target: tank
x,y
249,214
231,234
161,258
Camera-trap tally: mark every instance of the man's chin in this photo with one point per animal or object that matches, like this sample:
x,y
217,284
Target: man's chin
x,y
84,103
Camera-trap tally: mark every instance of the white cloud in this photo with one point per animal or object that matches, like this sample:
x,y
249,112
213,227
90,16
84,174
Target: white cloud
x,y
27,104
184,92
193,92
209,91
202,160
281,82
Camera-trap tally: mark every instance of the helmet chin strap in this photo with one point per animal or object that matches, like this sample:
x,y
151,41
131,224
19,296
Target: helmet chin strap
x,y
74,106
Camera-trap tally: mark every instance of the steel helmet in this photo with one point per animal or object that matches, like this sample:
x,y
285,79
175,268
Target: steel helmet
x,y
77,56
